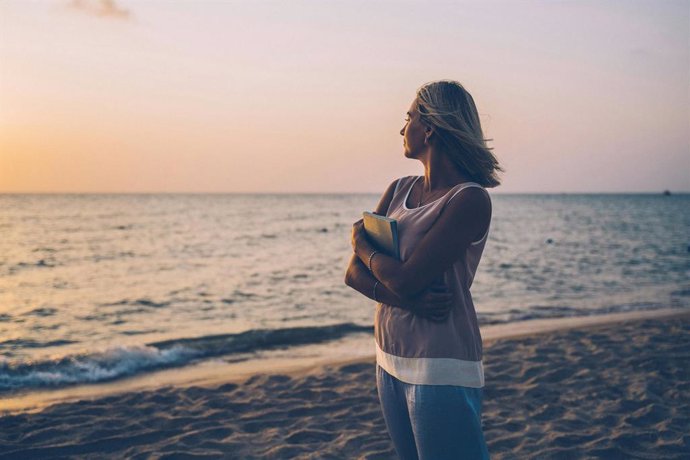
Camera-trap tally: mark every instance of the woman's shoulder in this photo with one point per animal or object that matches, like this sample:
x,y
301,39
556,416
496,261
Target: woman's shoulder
x,y
470,200
472,191
390,194
396,184
468,216
401,181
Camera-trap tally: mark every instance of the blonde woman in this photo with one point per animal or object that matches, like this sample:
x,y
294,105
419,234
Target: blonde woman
x,y
428,345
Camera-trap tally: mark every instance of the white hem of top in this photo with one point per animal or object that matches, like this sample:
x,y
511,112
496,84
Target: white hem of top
x,y
432,371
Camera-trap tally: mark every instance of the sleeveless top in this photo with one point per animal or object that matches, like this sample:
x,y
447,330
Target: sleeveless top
x,y
417,350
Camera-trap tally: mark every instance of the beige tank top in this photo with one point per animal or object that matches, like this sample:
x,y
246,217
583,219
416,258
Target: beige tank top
x,y
414,349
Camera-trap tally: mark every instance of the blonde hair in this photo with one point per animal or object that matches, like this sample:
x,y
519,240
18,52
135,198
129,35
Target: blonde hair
x,y
449,109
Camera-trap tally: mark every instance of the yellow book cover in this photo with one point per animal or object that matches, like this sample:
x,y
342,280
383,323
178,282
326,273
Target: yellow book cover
x,y
383,231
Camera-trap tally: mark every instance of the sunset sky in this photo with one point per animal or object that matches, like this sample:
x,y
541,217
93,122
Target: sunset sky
x,y
310,96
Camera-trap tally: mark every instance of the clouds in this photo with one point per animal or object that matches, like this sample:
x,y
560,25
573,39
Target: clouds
x,y
102,8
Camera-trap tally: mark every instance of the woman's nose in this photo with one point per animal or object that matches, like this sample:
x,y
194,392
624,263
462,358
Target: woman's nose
x,y
402,131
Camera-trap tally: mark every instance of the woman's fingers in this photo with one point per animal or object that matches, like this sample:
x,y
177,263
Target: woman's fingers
x,y
357,229
435,314
440,299
439,293
439,318
436,304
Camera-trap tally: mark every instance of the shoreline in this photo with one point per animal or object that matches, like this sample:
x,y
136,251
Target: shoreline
x,y
297,361
617,389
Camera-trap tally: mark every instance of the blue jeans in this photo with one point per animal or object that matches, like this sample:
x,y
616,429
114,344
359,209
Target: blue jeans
x,y
432,421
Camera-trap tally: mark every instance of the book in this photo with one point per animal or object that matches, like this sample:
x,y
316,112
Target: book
x,y
383,231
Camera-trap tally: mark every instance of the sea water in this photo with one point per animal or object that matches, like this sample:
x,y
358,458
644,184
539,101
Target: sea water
x,y
98,287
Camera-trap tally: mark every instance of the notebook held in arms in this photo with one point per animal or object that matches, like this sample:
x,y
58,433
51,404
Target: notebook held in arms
x,y
383,232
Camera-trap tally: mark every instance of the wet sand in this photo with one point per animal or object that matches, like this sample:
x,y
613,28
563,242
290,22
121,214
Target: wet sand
x,y
614,390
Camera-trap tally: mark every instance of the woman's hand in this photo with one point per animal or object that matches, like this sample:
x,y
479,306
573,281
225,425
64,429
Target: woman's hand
x,y
434,303
359,235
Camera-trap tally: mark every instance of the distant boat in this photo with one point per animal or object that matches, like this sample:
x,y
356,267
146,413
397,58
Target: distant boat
x,y
667,193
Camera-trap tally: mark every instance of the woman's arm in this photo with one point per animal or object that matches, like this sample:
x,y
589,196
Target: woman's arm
x,y
360,279
465,219
382,210
433,304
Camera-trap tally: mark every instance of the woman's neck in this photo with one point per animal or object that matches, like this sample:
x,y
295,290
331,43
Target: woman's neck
x,y
440,173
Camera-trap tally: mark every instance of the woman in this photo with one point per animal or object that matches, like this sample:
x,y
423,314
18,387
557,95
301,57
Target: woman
x,y
428,345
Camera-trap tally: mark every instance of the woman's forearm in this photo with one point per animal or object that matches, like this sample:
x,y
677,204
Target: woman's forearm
x,y
360,279
389,271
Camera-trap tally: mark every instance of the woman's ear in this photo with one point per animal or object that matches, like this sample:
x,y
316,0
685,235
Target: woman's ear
x,y
428,132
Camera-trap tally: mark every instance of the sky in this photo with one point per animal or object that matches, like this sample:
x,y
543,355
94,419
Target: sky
x,y
129,96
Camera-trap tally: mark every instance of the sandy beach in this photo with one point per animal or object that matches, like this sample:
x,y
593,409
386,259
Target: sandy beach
x,y
614,390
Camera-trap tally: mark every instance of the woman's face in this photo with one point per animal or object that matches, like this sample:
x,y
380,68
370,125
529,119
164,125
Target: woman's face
x,y
414,133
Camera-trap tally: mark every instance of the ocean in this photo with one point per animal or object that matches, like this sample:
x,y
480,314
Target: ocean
x,y
97,287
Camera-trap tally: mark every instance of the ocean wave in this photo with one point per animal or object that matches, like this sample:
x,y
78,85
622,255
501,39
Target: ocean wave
x,y
123,361
88,368
43,311
49,262
28,343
